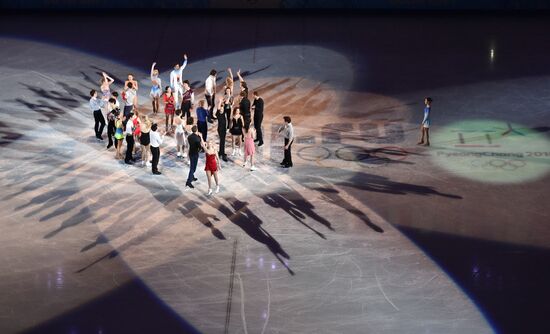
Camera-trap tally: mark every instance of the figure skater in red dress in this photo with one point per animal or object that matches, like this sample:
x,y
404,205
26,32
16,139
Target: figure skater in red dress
x,y
169,107
212,165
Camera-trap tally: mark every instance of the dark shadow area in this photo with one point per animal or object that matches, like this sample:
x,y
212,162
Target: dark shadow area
x,y
279,6
131,308
541,129
101,239
240,215
509,282
8,135
367,40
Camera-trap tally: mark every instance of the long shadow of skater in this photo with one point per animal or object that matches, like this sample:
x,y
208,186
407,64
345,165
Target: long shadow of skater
x,y
47,199
292,202
172,197
278,201
73,91
84,214
165,195
332,196
40,182
52,95
240,215
66,206
153,231
43,108
192,207
89,79
99,75
8,135
125,221
376,183
267,87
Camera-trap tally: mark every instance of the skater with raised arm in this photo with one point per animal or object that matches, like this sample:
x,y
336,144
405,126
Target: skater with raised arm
x,y
176,81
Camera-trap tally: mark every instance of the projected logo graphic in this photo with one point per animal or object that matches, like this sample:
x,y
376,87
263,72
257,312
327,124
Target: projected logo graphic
x,y
492,151
370,144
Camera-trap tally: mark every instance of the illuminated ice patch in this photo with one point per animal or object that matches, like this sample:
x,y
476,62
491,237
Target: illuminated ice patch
x,y
492,151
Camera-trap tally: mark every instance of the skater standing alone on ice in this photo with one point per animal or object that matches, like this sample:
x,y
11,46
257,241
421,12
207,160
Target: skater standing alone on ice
x,y
425,125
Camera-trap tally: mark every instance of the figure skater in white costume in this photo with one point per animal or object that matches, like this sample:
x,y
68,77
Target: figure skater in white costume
x,y
156,88
176,81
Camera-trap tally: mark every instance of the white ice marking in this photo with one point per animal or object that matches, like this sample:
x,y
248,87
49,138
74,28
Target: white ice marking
x,y
259,179
44,76
382,290
358,267
242,303
268,306
114,280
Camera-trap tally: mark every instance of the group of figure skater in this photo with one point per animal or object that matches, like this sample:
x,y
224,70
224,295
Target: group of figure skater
x,y
190,133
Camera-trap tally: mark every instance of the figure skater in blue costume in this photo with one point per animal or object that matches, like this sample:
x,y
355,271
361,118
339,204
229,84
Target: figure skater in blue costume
x,y
156,89
425,126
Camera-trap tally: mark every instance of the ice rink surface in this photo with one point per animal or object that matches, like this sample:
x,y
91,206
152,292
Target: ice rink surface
x,y
318,248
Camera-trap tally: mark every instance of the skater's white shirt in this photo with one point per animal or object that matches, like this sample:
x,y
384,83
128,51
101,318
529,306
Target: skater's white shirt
x,y
210,85
129,127
156,139
288,131
175,74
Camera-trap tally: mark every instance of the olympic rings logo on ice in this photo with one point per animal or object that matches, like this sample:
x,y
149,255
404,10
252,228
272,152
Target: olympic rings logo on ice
x,y
496,164
314,153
